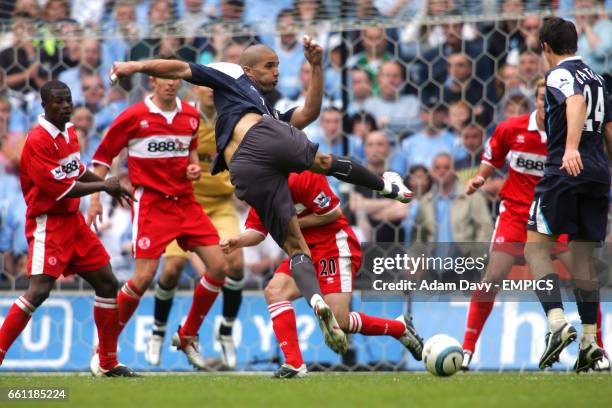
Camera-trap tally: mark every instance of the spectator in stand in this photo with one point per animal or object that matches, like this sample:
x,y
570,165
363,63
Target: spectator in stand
x,y
122,33
290,55
419,181
595,38
359,125
21,62
530,38
89,138
285,104
459,115
447,213
330,140
422,147
398,114
70,54
90,62
530,71
195,15
232,52
361,90
333,68
104,107
461,84
516,105
433,67
378,218
373,56
468,154
513,34
11,143
311,16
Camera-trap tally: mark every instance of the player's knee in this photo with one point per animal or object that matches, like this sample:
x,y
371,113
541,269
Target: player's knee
x,y
108,287
37,295
173,267
236,267
275,292
217,268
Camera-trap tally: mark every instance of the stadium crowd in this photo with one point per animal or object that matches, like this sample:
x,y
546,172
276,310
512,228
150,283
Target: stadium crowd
x,y
422,97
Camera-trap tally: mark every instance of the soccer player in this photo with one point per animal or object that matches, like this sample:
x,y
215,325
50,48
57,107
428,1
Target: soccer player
x,y
216,195
160,134
52,179
260,147
523,140
337,255
572,197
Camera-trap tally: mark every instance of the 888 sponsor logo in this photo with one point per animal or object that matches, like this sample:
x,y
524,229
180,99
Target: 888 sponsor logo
x,y
169,146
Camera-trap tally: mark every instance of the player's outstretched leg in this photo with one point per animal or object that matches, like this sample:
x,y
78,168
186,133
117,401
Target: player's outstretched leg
x,y
390,185
21,311
561,334
232,298
164,297
400,328
278,293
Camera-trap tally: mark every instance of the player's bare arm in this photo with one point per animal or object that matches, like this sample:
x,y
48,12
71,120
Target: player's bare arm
x,y
161,68
194,171
246,239
575,113
314,220
304,115
484,172
95,212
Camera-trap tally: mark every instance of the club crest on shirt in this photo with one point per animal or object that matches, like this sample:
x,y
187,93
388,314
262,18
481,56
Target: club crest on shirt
x,y
321,200
520,139
144,124
52,261
193,122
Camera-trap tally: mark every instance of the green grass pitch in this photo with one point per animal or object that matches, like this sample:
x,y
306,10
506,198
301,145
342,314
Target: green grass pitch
x,y
324,390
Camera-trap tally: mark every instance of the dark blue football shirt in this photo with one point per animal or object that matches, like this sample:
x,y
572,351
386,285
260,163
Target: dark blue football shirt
x,y
234,96
570,77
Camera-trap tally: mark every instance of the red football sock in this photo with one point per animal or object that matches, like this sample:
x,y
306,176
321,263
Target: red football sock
x,y
375,326
15,321
481,305
106,316
599,336
204,296
285,329
127,303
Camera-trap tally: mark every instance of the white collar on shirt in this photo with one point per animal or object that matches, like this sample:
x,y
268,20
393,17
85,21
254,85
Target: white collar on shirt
x,y
574,58
153,108
533,126
53,131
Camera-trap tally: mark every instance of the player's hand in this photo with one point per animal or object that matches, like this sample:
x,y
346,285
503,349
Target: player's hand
x,y
312,51
122,70
115,189
194,171
474,184
229,245
572,163
95,214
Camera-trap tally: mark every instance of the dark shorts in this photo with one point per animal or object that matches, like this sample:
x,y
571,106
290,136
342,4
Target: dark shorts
x,y
260,168
567,205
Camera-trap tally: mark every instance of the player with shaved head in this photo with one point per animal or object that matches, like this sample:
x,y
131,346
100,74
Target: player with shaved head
x,y
260,147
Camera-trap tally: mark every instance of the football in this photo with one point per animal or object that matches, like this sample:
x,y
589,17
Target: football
x,y
442,355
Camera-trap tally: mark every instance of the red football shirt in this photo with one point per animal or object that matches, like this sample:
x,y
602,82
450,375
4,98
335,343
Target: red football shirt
x,y
50,166
519,140
158,145
311,194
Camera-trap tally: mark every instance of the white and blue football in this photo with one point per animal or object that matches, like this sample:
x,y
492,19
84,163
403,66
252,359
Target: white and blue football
x,y
442,355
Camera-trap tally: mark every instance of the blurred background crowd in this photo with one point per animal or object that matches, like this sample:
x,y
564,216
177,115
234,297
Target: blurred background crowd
x,y
413,86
